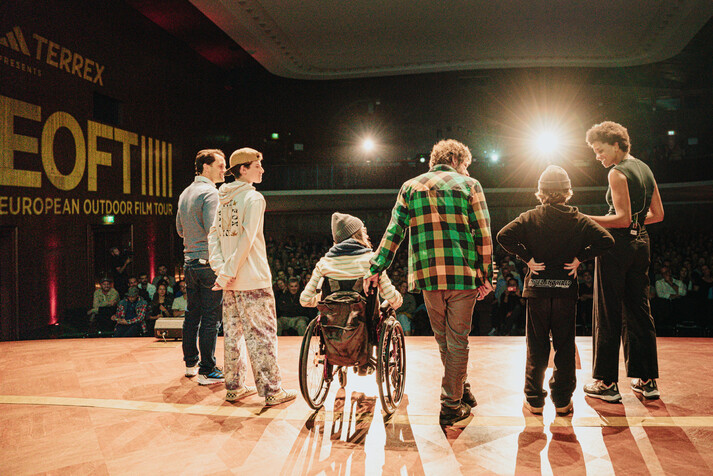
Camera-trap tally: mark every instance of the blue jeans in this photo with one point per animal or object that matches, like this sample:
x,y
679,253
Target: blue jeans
x,y
204,313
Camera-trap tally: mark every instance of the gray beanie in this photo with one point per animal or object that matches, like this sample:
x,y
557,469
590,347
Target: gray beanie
x,y
344,226
554,178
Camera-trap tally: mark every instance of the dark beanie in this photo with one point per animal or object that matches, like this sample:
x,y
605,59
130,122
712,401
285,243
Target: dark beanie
x,y
344,226
554,178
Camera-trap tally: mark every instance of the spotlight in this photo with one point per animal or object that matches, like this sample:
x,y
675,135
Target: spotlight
x,y
546,142
494,157
368,145
422,159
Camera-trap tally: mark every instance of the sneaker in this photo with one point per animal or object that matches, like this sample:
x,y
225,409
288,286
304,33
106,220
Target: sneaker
x,y
242,392
531,408
565,410
280,397
647,388
468,396
215,376
449,416
192,371
608,393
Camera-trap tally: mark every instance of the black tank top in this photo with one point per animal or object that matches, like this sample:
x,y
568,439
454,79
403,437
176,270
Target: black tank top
x,y
641,183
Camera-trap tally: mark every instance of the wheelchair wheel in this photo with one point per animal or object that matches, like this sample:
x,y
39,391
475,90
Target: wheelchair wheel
x,y
391,365
314,371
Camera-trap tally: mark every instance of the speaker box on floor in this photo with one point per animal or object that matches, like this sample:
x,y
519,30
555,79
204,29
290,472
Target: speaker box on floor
x,y
169,328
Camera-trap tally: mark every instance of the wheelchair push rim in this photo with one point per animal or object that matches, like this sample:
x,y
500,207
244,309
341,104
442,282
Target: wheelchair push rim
x,y
315,373
391,365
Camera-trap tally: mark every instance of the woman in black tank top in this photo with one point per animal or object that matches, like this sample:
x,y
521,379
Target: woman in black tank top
x,y
621,305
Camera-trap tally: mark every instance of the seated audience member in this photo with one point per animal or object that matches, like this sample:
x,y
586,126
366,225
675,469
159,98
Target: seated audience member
x,y
104,301
134,283
290,313
504,273
130,315
669,290
180,304
163,274
405,313
279,287
146,286
160,306
510,308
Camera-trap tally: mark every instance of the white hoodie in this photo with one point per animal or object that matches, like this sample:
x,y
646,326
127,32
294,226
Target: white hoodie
x,y
236,242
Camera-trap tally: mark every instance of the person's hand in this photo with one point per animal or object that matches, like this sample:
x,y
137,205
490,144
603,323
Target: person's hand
x,y
128,260
122,321
572,267
484,290
371,282
534,266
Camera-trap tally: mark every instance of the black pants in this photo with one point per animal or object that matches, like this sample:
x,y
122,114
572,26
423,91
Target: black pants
x,y
622,311
545,316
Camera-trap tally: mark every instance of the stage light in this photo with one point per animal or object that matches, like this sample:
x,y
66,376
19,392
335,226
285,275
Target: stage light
x,y
422,159
546,142
368,145
494,157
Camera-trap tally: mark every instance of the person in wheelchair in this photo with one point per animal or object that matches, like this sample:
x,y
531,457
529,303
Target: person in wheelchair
x,y
348,259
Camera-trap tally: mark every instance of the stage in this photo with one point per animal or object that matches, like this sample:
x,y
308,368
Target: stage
x,y
123,406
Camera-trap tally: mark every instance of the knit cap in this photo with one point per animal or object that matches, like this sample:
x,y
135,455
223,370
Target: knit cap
x,y
344,226
554,178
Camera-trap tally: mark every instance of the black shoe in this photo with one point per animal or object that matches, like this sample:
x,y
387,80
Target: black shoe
x,y
450,416
649,389
468,396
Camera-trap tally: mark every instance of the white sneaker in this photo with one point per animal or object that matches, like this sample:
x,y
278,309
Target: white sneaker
x,y
192,371
244,391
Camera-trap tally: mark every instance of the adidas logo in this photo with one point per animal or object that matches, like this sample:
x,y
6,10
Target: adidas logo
x,y
15,40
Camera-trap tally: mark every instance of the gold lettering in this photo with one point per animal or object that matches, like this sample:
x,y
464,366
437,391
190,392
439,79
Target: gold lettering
x,y
96,157
56,121
127,139
65,57
98,77
40,42
157,149
52,52
57,206
26,206
149,159
87,68
77,62
143,165
3,205
170,170
34,206
66,209
16,209
11,142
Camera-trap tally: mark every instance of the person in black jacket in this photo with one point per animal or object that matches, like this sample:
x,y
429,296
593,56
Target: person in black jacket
x,y
553,239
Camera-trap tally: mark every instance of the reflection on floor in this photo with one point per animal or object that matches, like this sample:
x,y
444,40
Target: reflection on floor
x,y
123,406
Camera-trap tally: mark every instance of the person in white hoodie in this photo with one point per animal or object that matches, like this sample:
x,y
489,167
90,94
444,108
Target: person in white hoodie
x,y
239,259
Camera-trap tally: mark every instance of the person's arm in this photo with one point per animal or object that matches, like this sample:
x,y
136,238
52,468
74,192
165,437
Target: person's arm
x,y
596,241
114,299
179,220
309,296
682,291
394,234
510,238
622,205
655,213
483,237
389,292
215,252
661,289
252,225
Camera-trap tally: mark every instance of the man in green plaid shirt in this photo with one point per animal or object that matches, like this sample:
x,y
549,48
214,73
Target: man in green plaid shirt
x,y
449,259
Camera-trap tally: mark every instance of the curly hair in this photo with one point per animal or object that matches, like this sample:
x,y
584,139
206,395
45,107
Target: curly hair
x,y
449,152
207,157
610,133
552,198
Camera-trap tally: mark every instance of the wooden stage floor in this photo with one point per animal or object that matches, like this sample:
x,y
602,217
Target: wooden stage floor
x,y
123,406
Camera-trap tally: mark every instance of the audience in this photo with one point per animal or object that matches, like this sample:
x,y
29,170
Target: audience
x,y
291,315
104,302
146,286
180,303
160,306
163,274
130,315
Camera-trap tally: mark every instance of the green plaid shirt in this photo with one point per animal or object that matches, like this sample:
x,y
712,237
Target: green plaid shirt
x,y
450,245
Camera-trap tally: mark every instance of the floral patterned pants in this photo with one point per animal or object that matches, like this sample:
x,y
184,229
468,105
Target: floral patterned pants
x,y
250,328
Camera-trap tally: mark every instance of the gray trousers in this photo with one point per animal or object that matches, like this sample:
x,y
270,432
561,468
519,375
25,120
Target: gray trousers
x,y
451,314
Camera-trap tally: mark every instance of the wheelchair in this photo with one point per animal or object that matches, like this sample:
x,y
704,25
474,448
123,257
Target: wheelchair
x,y
383,350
